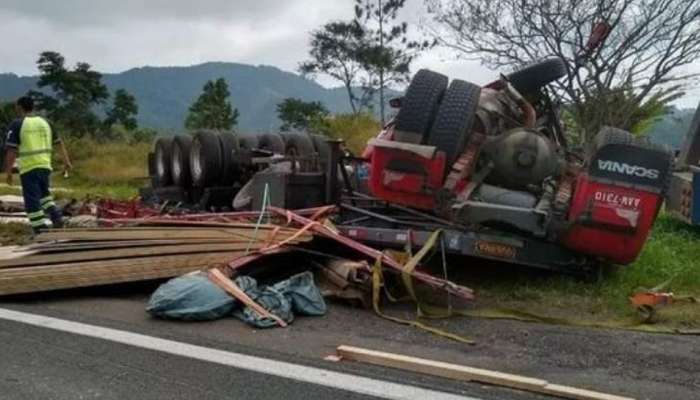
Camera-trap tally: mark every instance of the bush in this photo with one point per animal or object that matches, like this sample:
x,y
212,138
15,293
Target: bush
x,y
355,129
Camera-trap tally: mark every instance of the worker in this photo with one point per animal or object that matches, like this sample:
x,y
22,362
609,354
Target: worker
x,y
30,142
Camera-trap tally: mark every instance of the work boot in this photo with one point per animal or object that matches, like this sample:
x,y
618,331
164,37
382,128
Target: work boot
x,y
56,217
40,228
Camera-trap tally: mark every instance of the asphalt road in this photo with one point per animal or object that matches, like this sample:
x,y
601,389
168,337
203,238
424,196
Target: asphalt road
x,y
57,358
41,363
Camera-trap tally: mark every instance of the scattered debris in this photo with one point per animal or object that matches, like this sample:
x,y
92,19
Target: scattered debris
x,y
648,302
464,373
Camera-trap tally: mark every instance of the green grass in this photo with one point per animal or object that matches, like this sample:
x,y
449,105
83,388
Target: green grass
x,y
112,169
671,254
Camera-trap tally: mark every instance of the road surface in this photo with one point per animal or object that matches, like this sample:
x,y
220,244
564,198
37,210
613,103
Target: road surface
x,y
120,352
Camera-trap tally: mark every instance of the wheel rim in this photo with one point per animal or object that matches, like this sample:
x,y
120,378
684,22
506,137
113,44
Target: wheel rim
x,y
196,161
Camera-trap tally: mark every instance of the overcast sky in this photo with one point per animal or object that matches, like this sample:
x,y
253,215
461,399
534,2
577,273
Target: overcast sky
x,y
115,36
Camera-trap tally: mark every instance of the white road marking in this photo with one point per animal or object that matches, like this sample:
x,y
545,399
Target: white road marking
x,y
297,372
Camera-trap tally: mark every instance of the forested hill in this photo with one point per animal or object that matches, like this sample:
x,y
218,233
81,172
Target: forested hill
x,y
165,93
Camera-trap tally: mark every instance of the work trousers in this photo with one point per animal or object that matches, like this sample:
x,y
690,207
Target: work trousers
x,y
38,202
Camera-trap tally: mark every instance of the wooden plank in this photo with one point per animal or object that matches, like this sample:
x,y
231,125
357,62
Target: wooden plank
x,y
36,260
108,272
249,228
464,373
165,234
62,247
7,273
230,287
578,394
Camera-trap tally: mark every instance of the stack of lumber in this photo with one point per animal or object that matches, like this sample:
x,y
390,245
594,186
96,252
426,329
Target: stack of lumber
x,y
72,258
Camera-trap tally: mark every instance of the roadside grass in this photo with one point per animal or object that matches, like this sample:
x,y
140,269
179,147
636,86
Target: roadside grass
x,y
671,255
110,169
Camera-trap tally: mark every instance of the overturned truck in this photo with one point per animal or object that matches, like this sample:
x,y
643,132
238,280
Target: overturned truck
x,y
489,166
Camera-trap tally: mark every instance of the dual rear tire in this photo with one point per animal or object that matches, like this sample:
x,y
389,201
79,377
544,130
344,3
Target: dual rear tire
x,y
433,113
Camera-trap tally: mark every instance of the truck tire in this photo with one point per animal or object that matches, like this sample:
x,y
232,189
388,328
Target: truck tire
x,y
531,78
609,135
205,158
454,120
271,142
229,146
300,145
419,106
323,149
163,148
180,166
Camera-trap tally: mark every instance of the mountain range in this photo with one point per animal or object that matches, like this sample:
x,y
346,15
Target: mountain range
x,y
164,94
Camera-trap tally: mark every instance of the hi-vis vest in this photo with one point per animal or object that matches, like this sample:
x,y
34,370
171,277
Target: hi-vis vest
x,y
35,145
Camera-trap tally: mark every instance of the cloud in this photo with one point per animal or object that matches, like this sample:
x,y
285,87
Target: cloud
x,y
120,35
115,36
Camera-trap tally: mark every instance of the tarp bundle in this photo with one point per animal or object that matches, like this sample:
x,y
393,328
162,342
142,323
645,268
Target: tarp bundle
x,y
194,297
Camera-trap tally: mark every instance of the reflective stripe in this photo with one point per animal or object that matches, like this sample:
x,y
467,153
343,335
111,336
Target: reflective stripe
x,y
36,214
30,153
40,222
46,199
48,205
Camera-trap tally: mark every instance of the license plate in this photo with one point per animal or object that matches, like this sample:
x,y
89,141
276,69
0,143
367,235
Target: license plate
x,y
493,249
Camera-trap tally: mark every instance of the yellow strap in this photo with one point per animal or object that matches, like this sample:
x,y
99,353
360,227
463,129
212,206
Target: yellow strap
x,y
424,310
378,282
505,313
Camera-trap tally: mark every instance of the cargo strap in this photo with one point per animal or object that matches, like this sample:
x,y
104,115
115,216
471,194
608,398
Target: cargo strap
x,y
263,212
524,316
423,310
378,282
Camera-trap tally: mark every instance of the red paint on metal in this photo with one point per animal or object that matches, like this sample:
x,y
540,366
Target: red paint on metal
x,y
610,221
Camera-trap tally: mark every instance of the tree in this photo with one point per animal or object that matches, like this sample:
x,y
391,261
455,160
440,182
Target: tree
x,y
212,110
123,111
386,52
74,93
7,115
335,51
644,55
300,115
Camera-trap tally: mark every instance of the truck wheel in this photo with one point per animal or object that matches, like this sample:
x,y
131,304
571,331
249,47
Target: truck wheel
x,y
300,145
322,149
229,146
531,78
454,119
180,166
271,142
609,135
205,158
419,106
163,153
